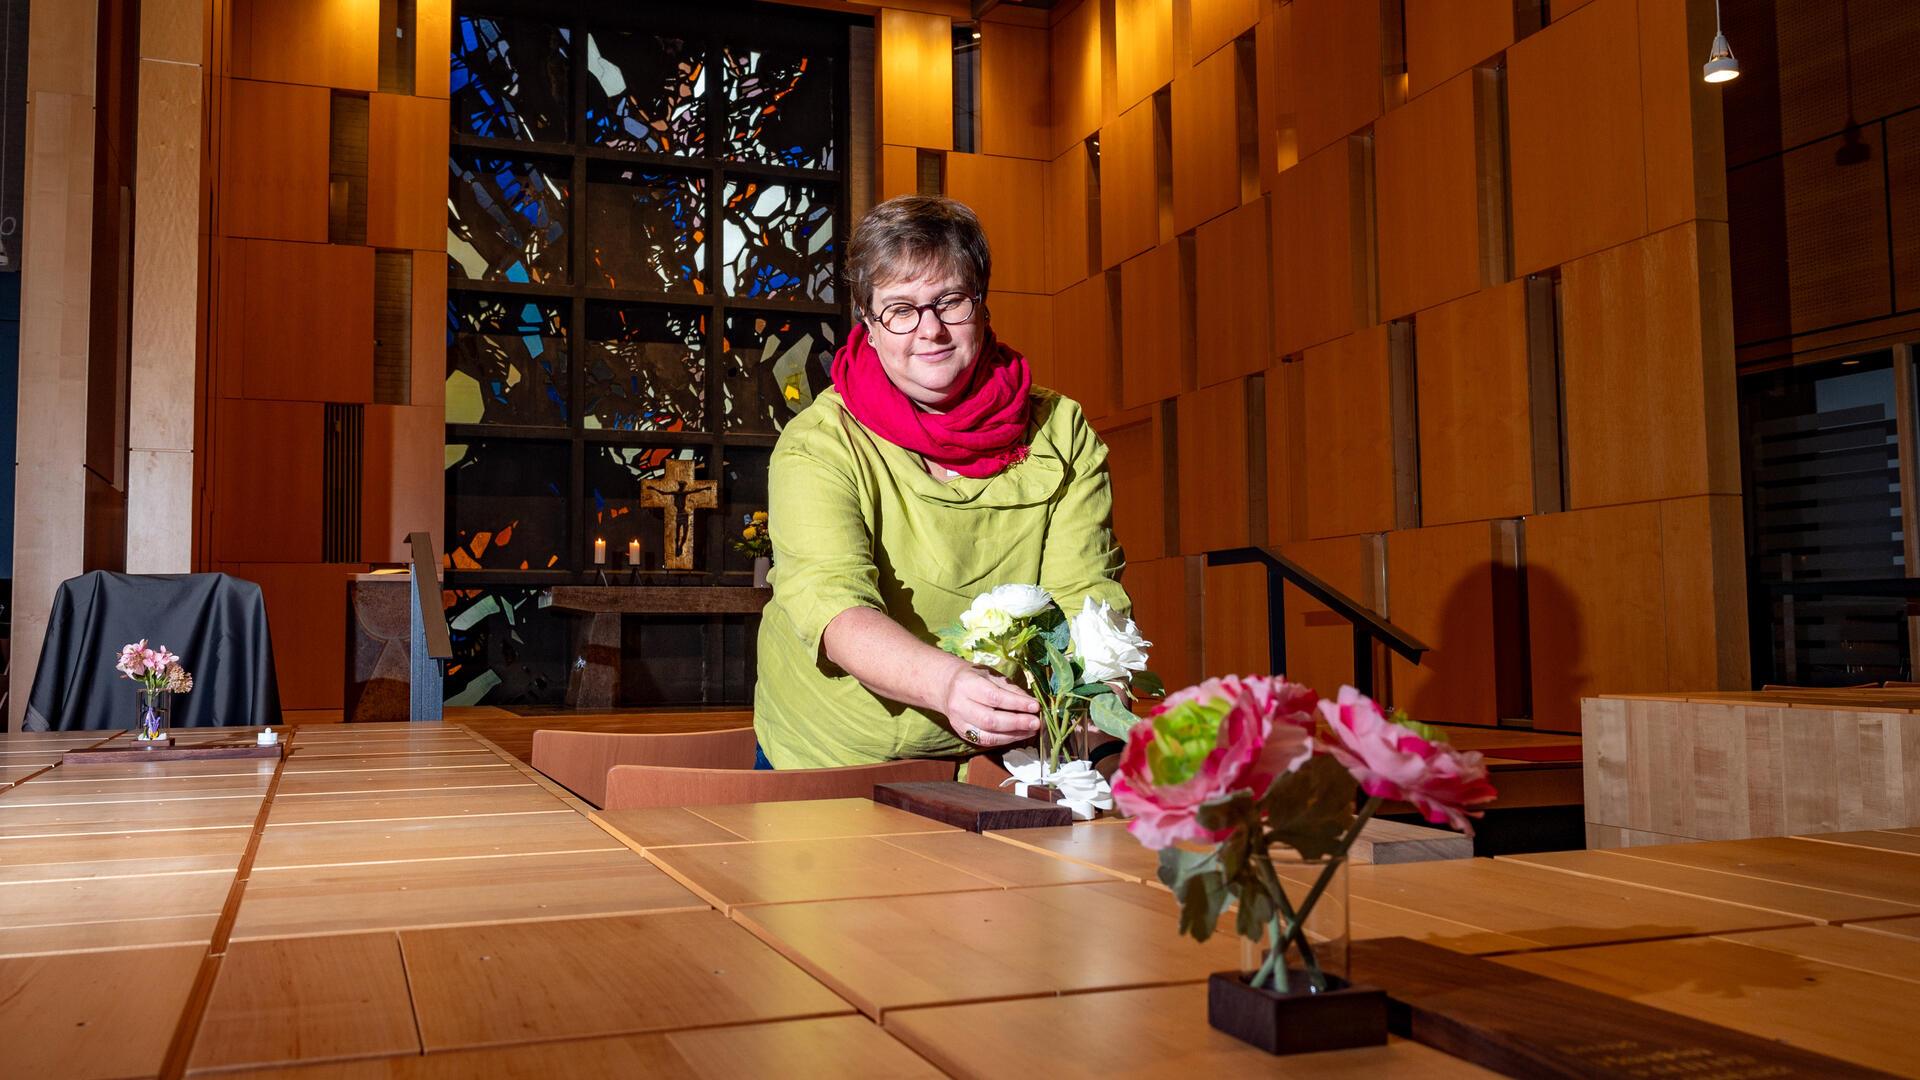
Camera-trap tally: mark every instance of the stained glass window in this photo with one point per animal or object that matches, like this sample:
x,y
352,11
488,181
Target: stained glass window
x,y
774,365
647,230
646,92
506,221
779,106
744,479
780,242
509,79
501,497
646,368
506,649
506,360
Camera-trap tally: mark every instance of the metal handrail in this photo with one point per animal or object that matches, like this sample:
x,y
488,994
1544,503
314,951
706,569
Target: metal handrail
x,y
1367,626
431,645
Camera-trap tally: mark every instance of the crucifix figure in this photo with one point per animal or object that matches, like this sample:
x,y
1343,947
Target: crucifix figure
x,y
678,496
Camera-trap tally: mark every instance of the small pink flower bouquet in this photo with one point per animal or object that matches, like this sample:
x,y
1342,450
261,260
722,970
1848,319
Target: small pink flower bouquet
x,y
158,672
1245,763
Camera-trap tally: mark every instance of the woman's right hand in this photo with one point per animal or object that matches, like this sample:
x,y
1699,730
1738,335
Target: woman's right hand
x,y
987,710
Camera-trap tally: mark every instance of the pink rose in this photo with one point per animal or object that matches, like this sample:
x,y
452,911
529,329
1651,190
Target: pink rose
x,y
1391,762
1205,742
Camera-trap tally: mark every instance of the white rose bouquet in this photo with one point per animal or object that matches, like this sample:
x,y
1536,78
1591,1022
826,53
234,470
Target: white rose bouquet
x,y
1082,670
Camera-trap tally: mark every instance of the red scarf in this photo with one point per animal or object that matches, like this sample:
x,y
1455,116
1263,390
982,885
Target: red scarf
x,y
982,433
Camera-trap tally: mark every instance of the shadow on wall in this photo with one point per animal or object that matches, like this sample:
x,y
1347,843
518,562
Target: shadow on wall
x,y
1510,645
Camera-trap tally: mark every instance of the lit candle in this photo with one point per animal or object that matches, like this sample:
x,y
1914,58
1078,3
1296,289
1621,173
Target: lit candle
x,y
633,553
599,552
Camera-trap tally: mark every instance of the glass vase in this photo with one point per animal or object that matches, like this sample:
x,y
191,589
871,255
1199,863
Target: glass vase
x,y
156,709
1316,957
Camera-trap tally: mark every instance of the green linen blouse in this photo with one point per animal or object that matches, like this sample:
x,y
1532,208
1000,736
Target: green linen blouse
x,y
858,522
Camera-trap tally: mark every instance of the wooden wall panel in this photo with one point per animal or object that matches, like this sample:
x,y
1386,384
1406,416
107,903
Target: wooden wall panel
x,y
899,171
1648,381
1233,624
1206,141
1232,295
266,481
1476,431
1446,37
1577,162
1075,76
1143,48
273,162
1348,436
1685,138
307,616
428,354
1086,361
1319,642
1441,588
1156,322
1129,193
1903,195
1427,198
1596,608
1165,594
1016,113
315,42
1214,23
1836,215
1339,71
407,172
432,43
1286,452
913,57
404,482
1140,456
1704,551
1319,256
1223,492
1002,191
270,335
1025,322
1067,189
1276,99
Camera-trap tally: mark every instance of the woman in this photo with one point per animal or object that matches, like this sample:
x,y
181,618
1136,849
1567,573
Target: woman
x,y
933,471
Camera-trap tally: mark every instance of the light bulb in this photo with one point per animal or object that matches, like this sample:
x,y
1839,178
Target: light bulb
x,y
1720,66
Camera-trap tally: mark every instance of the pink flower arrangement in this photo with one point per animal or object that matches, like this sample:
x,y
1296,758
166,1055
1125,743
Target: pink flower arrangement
x,y
1248,763
153,667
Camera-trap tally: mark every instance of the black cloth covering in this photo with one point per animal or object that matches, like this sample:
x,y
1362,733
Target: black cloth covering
x,y
216,624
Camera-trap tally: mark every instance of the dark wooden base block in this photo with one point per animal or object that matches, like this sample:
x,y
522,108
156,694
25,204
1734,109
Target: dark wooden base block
x,y
129,753
1341,1017
970,806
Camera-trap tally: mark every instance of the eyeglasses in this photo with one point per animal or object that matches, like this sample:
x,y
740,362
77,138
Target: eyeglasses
x,y
904,318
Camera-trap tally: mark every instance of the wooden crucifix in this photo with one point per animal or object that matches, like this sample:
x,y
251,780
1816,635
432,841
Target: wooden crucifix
x,y
678,496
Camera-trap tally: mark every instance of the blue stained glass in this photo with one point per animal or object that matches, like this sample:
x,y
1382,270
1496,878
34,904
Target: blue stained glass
x,y
779,241
509,79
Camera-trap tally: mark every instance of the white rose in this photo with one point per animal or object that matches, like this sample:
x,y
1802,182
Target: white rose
x,y
1108,646
1018,601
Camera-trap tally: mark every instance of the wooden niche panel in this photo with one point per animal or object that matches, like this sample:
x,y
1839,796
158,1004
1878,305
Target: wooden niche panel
x,y
1577,160
273,162
1338,70
1647,370
1005,193
1452,588
1476,429
1596,608
1156,319
1427,198
1067,184
1139,461
1446,37
1143,48
1024,321
914,80
1320,642
1233,625
1214,23
407,172
1231,297
307,616
1223,493
1206,141
323,43
266,465
296,321
1165,604
1321,249
1086,367
403,481
1348,436
1129,186
1074,76
1015,111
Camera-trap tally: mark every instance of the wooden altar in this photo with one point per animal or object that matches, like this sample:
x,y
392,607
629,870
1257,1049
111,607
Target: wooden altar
x,y
594,678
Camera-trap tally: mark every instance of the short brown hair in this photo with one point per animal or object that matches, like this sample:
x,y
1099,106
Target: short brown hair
x,y
910,233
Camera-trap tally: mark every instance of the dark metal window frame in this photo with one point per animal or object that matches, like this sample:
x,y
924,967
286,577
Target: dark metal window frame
x,y
711,24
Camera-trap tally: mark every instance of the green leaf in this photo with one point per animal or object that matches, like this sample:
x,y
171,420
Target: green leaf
x,y
1235,810
1200,887
1112,717
1059,636
1309,810
1059,667
1256,910
1177,864
1145,684
1089,691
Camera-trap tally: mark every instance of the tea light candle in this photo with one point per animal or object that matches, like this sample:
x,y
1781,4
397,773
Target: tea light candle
x,y
268,737
633,553
599,552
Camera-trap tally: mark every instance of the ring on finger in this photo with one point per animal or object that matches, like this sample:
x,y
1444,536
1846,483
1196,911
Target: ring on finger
x,y
970,735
